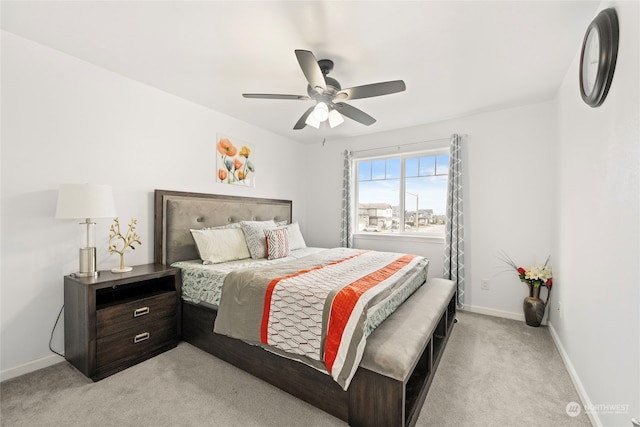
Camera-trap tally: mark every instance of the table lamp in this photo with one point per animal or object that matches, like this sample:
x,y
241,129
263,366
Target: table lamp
x,y
86,201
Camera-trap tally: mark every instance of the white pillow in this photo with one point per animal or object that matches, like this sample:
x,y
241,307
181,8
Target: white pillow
x,y
254,236
230,225
296,241
220,244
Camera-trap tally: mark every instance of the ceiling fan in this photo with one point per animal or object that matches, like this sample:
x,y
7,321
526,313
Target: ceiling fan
x,y
328,94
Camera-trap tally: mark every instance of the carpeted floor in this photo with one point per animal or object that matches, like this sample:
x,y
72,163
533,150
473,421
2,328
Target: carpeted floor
x,y
494,372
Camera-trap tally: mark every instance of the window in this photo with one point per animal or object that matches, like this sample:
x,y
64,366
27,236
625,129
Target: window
x,y
402,194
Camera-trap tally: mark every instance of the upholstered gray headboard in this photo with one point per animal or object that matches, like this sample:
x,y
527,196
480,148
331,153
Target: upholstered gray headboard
x,y
176,213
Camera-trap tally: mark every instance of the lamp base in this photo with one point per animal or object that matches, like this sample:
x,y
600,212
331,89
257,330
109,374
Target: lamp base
x,y
121,270
85,274
87,263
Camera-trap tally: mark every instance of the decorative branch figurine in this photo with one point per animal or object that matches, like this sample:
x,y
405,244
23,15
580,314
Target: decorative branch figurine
x,y
116,239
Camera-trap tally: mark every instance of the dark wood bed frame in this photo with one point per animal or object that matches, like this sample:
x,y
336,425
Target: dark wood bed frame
x,y
371,399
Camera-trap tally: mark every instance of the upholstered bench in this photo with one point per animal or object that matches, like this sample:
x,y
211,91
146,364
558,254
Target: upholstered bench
x,y
402,354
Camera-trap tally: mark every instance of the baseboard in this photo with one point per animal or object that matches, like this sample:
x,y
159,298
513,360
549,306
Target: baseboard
x,y
30,367
493,312
498,313
582,393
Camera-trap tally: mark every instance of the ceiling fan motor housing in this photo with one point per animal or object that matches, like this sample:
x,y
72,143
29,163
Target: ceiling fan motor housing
x,y
326,65
333,87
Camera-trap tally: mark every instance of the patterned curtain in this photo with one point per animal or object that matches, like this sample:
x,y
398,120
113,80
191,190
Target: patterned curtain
x,y
346,233
454,230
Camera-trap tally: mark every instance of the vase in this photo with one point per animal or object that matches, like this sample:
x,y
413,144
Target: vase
x,y
122,268
533,307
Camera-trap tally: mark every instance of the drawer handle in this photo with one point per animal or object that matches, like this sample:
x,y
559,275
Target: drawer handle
x,y
141,337
140,311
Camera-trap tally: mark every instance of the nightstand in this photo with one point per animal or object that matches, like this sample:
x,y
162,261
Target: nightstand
x,y
116,320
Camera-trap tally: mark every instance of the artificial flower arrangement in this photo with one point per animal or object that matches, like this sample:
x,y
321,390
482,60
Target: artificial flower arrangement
x,y
534,276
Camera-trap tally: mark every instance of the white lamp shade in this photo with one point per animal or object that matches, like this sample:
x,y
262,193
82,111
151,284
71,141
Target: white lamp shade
x,y
335,118
321,112
312,121
85,201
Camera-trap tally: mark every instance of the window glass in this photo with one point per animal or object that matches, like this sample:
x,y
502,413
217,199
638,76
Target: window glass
x,y
403,194
378,169
442,164
412,165
364,171
393,168
427,166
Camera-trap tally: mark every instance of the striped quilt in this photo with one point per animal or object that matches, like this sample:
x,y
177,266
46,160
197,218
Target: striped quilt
x,y
316,307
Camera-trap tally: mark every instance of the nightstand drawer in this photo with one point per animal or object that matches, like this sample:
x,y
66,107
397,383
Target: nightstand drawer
x,y
135,342
116,318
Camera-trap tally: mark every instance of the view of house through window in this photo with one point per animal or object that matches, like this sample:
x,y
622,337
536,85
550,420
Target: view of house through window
x,y
403,194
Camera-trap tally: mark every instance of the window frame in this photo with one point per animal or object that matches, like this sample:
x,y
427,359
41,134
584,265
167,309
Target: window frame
x,y
402,205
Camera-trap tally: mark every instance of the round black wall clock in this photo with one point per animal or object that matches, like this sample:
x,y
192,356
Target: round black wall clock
x,y
598,57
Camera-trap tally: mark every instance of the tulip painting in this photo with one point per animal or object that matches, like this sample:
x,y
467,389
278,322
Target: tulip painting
x,y
233,162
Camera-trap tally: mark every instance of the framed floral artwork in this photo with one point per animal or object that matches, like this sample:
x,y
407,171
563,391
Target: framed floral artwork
x,y
233,162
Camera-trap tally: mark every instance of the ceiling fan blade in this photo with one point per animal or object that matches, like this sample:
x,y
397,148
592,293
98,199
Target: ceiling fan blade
x,y
302,121
354,114
275,96
368,91
311,69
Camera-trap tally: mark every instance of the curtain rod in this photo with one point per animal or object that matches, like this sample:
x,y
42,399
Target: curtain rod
x,y
401,145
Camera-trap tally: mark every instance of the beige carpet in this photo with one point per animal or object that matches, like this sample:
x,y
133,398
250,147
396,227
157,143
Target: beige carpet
x,y
494,372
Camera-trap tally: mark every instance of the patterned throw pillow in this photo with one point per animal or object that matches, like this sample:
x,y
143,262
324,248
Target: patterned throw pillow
x,y
254,235
277,243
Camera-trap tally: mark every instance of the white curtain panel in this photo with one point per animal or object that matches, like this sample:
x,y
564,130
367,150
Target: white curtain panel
x,y
454,230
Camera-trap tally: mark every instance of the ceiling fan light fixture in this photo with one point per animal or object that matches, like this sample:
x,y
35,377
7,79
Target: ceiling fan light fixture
x,y
335,118
321,112
312,121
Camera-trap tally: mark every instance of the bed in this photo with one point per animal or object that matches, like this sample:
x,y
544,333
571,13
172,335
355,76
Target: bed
x,y
388,385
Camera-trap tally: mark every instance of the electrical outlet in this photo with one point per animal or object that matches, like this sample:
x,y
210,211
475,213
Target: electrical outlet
x,y
485,285
560,312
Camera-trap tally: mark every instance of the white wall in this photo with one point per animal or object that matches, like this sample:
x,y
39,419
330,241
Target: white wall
x,y
508,176
67,121
597,255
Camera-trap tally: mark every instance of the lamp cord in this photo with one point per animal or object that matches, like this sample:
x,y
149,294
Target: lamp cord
x,y
54,328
